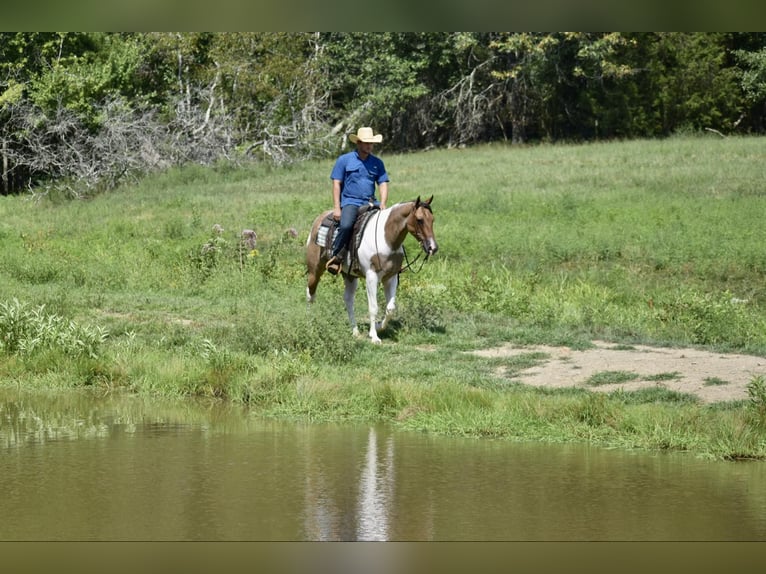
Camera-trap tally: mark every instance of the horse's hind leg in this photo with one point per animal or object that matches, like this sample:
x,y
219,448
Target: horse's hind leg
x,y
314,267
314,260
311,288
314,275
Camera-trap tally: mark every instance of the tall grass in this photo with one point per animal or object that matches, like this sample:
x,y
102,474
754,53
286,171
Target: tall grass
x,y
646,241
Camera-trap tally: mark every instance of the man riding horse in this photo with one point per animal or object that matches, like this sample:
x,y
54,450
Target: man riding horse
x,y
353,185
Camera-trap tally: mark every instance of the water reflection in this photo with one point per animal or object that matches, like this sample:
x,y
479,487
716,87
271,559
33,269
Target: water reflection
x,y
78,467
331,512
376,490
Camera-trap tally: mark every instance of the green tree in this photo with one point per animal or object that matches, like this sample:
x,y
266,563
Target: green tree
x,y
73,70
279,97
527,65
753,81
554,81
690,84
600,98
271,85
373,78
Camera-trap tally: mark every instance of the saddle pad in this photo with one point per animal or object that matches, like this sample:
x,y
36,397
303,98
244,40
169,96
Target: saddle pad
x,y
325,233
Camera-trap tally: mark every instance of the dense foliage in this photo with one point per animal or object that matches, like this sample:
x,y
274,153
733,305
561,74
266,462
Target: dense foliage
x,y
85,110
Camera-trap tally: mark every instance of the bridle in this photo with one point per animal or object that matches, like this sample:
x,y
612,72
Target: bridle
x,y
408,266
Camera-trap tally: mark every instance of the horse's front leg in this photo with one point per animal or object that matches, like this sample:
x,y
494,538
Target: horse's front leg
x,y
348,297
389,288
371,282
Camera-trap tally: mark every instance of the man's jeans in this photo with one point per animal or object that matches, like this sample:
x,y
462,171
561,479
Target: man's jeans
x,y
347,219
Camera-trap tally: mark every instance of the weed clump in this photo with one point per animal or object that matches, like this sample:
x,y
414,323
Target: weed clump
x,y
756,393
25,330
610,378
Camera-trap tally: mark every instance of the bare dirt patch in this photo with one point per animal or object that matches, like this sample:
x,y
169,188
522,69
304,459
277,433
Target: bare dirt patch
x,y
713,377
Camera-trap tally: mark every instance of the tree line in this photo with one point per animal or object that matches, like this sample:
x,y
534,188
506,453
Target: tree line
x,y
83,111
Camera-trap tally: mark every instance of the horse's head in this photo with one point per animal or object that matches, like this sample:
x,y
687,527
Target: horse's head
x,y
420,224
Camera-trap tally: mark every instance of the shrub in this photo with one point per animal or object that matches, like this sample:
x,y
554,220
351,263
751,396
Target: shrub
x,y
709,319
756,392
318,334
24,330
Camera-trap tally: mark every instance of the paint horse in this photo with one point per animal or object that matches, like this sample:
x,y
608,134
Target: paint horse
x,y
380,257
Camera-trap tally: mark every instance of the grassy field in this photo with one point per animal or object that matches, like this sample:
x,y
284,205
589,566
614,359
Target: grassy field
x,y
150,290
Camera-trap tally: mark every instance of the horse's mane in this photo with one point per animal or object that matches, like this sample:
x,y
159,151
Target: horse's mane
x,y
415,201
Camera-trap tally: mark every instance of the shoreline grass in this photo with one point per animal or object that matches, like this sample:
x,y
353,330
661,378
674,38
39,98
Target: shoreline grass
x,y
651,242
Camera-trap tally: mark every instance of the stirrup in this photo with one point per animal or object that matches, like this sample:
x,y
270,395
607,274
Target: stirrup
x,y
333,266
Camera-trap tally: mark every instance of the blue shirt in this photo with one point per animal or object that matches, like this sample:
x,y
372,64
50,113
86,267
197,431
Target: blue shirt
x,y
358,177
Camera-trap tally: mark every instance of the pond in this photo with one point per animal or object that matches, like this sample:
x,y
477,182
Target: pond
x,y
77,466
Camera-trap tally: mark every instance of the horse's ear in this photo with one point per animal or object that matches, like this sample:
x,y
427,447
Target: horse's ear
x,y
429,200
417,202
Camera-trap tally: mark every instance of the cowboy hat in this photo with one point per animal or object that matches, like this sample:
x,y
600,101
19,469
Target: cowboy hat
x,y
365,135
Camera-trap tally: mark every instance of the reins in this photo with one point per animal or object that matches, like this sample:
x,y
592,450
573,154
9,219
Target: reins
x,y
409,265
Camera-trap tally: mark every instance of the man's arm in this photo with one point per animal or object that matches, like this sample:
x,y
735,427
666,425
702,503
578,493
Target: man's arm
x,y
336,199
383,187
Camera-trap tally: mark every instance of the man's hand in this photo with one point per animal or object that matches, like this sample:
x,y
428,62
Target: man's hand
x,y
336,213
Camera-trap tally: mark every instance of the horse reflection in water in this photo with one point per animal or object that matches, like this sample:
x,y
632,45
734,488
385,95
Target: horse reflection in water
x,y
354,514
376,491
380,253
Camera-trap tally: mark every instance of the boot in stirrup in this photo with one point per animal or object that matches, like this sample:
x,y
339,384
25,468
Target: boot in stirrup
x,y
333,265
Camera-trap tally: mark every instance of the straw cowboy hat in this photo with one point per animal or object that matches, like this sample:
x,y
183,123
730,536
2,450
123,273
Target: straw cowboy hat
x,y
365,135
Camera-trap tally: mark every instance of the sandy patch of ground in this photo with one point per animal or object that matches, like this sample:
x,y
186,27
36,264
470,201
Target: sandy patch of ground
x,y
713,377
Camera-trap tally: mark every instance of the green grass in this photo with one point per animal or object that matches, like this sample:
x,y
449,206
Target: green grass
x,y
610,378
669,376
714,381
644,242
